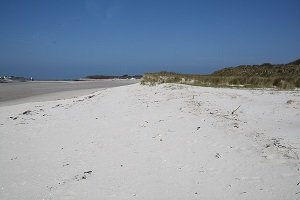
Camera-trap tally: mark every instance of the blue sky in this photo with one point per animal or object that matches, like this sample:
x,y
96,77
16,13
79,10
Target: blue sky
x,y
51,39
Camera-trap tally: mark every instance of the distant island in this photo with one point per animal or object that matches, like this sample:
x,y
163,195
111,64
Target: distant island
x,y
126,76
267,75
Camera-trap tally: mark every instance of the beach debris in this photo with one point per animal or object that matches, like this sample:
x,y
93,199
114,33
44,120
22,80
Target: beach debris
x,y
13,118
290,101
14,158
217,155
88,97
160,140
235,125
67,164
84,176
27,112
235,109
278,145
50,187
91,96
198,128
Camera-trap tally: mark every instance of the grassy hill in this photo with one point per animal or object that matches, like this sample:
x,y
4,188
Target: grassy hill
x,y
264,70
281,76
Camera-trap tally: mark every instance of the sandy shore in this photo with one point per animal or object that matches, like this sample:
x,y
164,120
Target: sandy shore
x,y
162,142
22,92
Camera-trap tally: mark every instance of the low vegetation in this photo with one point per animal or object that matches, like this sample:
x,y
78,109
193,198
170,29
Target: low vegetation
x,y
283,76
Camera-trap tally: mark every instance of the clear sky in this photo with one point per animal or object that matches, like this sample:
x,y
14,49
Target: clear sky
x,y
74,38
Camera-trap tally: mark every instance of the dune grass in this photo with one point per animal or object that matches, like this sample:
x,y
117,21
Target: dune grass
x,y
279,82
266,75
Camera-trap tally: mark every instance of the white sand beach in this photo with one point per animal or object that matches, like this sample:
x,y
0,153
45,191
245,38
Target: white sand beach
x,y
162,142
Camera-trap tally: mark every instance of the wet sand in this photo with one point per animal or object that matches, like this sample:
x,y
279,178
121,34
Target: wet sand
x,y
24,92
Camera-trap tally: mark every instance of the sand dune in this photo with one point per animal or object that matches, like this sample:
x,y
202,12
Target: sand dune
x,y
163,142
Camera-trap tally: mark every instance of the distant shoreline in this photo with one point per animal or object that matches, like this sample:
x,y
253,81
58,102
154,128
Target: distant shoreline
x,y
32,91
